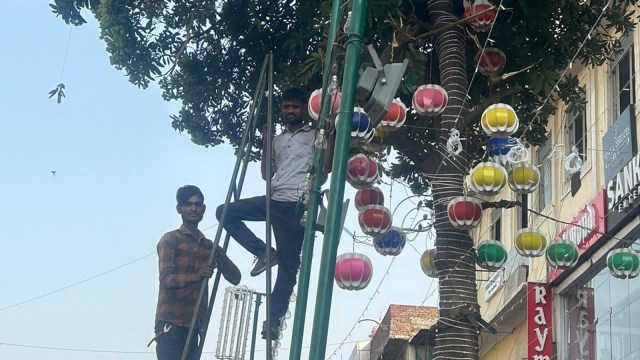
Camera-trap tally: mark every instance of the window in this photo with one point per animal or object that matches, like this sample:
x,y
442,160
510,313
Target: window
x,y
622,80
544,162
496,224
576,133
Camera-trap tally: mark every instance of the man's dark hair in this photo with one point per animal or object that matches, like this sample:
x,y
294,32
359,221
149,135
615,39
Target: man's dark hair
x,y
186,192
295,94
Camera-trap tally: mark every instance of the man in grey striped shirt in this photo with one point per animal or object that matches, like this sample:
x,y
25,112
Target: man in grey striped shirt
x,y
292,156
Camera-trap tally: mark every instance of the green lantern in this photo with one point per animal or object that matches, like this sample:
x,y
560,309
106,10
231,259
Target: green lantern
x,y
623,263
491,255
562,254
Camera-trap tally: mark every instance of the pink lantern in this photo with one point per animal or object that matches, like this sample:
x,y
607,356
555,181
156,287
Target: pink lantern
x,y
492,61
353,271
430,100
366,197
465,212
362,171
315,103
395,117
482,22
374,220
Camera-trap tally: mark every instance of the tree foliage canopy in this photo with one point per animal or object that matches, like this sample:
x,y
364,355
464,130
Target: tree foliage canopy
x,y
207,54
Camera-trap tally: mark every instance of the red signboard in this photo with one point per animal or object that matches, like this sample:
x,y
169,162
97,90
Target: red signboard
x,y
582,329
539,344
585,229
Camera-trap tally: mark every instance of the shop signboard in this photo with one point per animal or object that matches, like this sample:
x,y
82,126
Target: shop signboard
x,y
582,328
585,229
618,142
539,322
623,196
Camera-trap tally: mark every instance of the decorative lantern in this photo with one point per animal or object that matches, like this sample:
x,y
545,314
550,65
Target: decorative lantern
x,y
485,20
524,178
465,212
395,117
428,263
530,242
488,178
374,220
368,196
498,148
623,263
315,103
377,142
491,62
362,171
430,100
353,271
391,242
499,120
491,255
562,254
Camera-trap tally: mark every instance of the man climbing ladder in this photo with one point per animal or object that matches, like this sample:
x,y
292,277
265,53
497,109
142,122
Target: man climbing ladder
x,y
292,154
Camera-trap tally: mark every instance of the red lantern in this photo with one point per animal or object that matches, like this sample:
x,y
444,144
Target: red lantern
x,y
485,20
369,196
353,271
430,100
315,103
492,61
374,220
395,117
465,212
362,172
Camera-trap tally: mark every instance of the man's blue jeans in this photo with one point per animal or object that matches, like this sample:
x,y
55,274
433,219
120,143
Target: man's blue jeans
x,y
288,233
170,344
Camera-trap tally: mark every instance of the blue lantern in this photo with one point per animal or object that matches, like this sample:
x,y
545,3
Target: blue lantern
x,y
391,242
498,148
361,128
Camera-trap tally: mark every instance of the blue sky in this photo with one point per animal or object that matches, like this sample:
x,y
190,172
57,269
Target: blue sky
x,y
117,164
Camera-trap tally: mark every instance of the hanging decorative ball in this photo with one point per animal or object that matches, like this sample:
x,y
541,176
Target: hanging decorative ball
x,y
499,120
368,196
362,171
562,254
524,178
488,178
530,242
491,61
391,242
430,100
465,212
315,103
623,263
491,255
375,220
498,148
395,117
377,141
428,263
353,271
485,20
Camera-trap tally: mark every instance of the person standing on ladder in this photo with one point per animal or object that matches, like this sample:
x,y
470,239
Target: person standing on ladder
x,y
183,259
292,156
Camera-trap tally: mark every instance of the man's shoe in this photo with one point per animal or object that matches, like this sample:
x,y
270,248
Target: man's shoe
x,y
274,329
261,263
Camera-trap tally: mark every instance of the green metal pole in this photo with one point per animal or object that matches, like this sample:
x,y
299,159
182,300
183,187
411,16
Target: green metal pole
x,y
340,157
255,326
314,197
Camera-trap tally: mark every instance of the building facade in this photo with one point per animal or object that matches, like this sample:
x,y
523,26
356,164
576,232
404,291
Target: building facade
x,y
584,312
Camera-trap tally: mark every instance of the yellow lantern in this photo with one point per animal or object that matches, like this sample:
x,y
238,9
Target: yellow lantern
x,y
488,178
428,263
530,242
524,178
499,120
